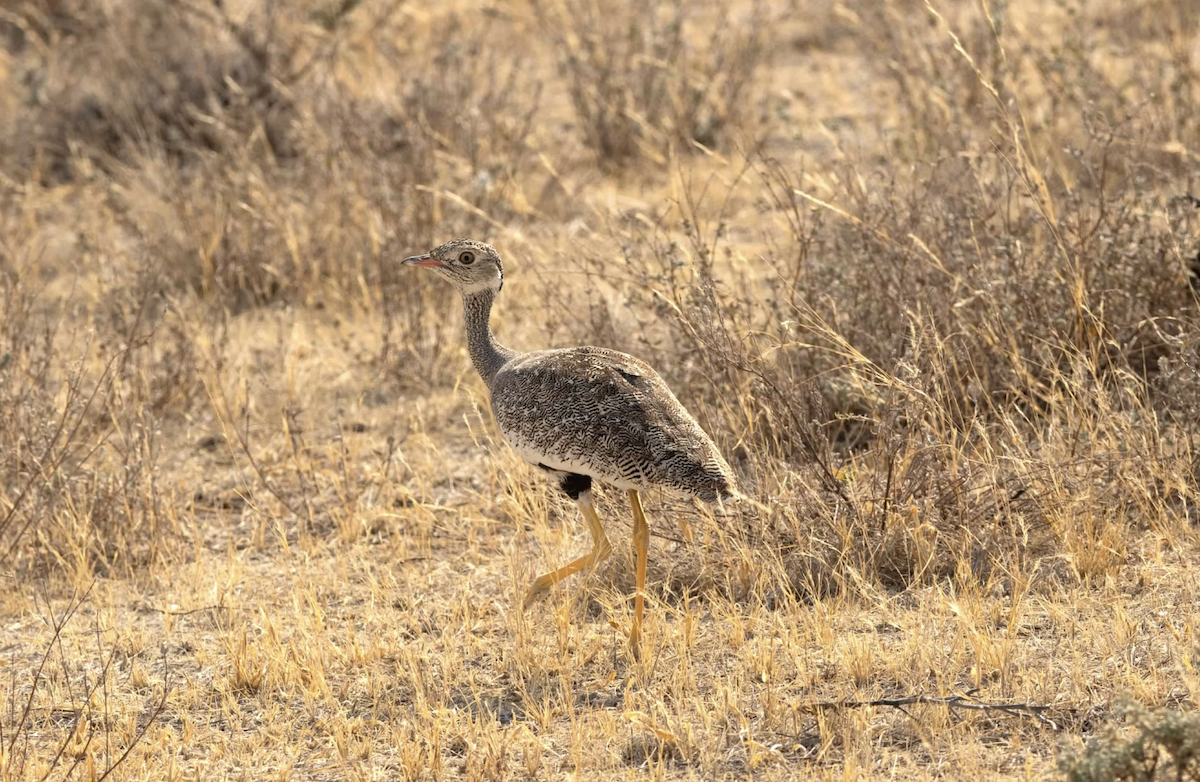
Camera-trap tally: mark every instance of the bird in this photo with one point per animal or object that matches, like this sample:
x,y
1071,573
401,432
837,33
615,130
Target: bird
x,y
583,415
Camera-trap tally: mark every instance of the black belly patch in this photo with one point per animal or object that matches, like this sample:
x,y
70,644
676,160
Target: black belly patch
x,y
574,485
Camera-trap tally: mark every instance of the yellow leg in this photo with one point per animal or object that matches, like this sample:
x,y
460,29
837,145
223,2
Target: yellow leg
x,y
601,548
641,546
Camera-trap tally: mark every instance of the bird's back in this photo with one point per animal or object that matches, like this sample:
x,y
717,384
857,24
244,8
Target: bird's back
x,y
605,414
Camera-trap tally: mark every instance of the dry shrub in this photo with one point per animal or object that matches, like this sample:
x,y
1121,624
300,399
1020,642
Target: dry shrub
x,y
80,438
250,168
106,81
211,165
983,363
639,84
1160,744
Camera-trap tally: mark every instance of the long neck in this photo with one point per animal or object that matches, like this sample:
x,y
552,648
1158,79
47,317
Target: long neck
x,y
486,354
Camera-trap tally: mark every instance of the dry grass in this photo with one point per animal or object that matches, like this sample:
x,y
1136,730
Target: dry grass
x,y
925,271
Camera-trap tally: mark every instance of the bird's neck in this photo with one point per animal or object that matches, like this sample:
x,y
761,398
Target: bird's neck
x,y
487,355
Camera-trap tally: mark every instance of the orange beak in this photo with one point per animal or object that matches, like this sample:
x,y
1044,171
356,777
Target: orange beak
x,y
422,260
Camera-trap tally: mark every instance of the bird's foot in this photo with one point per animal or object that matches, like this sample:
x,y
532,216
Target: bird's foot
x,y
635,646
536,591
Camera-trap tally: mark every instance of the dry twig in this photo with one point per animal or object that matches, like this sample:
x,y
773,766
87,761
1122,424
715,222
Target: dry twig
x,y
966,701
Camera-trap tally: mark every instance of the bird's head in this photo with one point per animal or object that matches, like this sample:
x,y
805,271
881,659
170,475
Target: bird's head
x,y
469,266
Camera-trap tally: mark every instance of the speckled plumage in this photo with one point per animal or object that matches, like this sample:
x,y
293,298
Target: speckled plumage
x,y
609,416
582,411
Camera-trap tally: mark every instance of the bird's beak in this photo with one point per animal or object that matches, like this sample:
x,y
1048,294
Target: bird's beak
x,y
422,260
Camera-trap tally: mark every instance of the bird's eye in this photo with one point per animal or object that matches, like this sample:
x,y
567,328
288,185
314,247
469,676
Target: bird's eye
x,y
467,258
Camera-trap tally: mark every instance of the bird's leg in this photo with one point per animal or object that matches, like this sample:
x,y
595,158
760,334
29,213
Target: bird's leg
x,y
601,548
641,545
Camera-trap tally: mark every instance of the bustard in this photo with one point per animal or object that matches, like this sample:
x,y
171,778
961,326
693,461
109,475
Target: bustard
x,y
583,414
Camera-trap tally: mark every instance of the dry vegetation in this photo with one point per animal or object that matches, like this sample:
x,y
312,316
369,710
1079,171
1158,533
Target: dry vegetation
x,y
927,273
